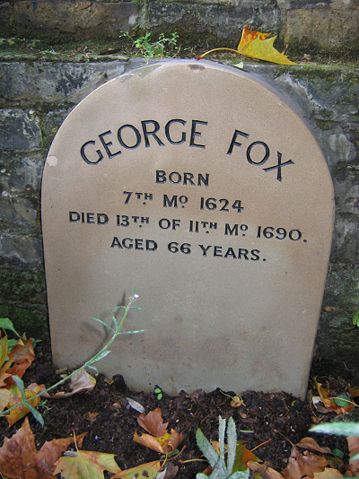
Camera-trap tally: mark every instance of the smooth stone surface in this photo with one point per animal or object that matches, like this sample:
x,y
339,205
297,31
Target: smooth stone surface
x,y
237,305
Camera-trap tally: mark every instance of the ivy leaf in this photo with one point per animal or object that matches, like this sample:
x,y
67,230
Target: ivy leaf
x,y
86,465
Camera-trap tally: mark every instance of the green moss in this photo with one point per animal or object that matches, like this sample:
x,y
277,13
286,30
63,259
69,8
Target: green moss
x,y
22,286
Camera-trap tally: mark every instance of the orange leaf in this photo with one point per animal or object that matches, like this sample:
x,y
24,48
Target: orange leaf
x,y
151,442
306,464
162,444
153,422
19,458
21,356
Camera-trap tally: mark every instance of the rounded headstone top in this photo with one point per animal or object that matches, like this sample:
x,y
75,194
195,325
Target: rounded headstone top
x,y
200,187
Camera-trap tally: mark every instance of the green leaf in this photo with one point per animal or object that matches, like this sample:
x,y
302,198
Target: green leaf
x,y
355,457
206,448
7,324
338,453
221,432
231,444
356,319
338,428
342,400
20,384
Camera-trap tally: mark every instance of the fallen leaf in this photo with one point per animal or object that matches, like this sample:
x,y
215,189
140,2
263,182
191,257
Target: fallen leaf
x,y
169,473
353,446
243,456
339,404
145,471
22,410
354,391
311,444
260,46
86,464
91,416
19,458
237,401
21,357
164,444
3,350
264,471
79,383
306,464
328,473
153,422
5,396
257,45
135,405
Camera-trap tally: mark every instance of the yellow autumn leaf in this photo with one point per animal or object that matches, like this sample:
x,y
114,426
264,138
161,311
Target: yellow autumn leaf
x,y
5,396
86,464
3,350
15,397
148,470
257,45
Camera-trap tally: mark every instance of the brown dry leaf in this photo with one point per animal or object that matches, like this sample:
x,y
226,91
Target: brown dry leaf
x,y
21,411
80,383
91,416
164,444
353,446
153,422
329,403
21,357
19,458
306,464
311,444
328,473
86,464
143,471
52,450
264,471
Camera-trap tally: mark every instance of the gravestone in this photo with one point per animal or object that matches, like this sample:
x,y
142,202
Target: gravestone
x,y
198,187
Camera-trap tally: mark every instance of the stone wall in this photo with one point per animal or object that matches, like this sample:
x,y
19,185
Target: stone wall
x,y
306,26
36,96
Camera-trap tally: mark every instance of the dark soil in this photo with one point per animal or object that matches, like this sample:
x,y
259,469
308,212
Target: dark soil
x,y
110,422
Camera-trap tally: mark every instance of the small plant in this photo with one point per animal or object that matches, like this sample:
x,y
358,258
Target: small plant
x,y
355,319
222,464
150,48
114,330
